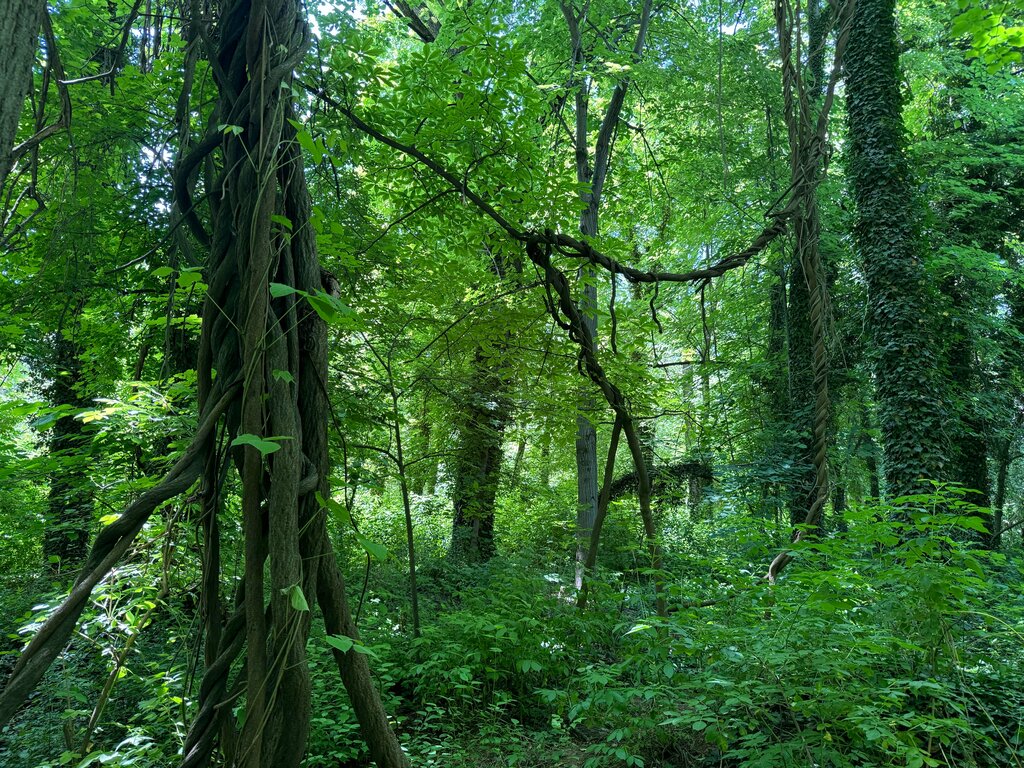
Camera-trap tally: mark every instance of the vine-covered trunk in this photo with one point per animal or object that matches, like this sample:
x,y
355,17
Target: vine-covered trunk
x,y
478,460
69,505
801,388
802,299
262,375
807,102
909,387
260,330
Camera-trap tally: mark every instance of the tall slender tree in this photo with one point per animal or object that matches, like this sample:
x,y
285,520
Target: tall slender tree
x,y
591,173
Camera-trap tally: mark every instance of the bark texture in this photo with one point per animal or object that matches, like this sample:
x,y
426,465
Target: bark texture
x,y
19,24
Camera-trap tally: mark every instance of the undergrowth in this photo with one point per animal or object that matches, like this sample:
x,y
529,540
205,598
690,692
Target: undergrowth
x,y
895,644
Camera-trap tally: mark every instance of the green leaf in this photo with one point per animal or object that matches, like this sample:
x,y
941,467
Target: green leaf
x,y
189,278
307,142
263,446
341,642
298,600
639,628
379,551
284,221
280,375
345,644
330,308
338,510
277,290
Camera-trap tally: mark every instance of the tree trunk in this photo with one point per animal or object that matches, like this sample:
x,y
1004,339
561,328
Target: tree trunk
x,y
19,27
801,389
69,516
478,461
586,457
800,328
592,179
999,503
248,337
969,452
907,378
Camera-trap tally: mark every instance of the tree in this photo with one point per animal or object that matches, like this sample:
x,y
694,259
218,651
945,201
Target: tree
x,y
591,175
262,352
907,367
18,41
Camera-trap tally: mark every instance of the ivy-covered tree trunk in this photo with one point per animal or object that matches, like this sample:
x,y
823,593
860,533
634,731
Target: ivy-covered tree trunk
x,y
910,388
19,25
69,515
478,461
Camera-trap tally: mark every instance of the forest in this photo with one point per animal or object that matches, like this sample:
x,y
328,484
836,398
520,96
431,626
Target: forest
x,y
528,383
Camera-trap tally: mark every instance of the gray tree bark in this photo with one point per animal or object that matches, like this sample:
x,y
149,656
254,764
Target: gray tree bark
x,y
594,176
19,23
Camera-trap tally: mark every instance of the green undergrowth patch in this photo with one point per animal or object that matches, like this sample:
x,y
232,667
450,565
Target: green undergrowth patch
x,y
896,644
